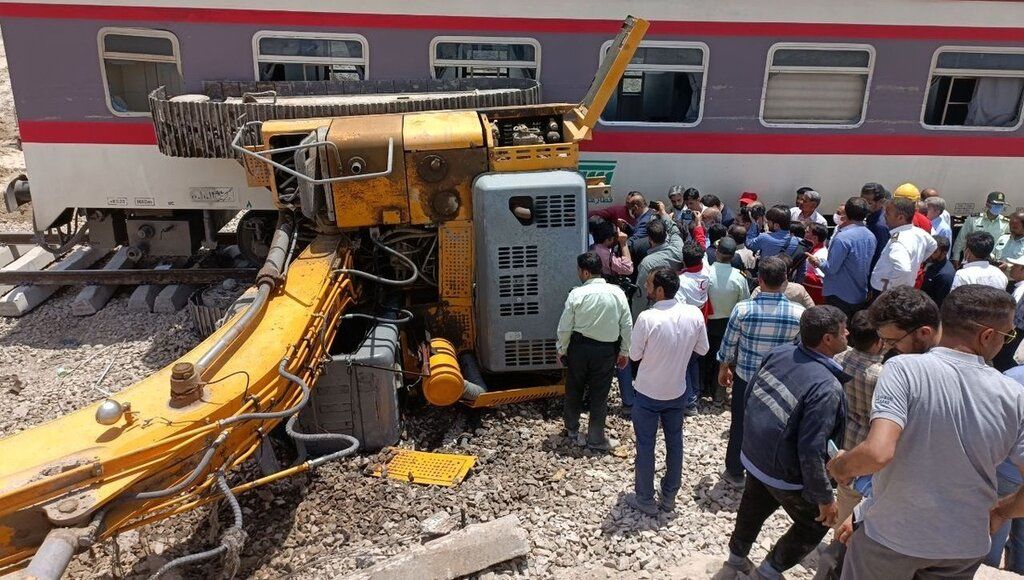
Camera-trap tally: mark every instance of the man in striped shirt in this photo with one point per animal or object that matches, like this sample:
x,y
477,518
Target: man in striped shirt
x,y
863,363
755,327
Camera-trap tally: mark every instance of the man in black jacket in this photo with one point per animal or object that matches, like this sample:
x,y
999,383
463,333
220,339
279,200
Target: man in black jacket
x,y
794,407
939,272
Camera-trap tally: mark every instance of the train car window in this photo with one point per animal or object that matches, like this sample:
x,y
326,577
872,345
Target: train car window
x,y
663,85
463,57
134,63
975,88
301,56
816,85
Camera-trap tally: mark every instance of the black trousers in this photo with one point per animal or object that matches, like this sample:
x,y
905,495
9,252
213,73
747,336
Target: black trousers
x,y
709,362
591,366
848,309
759,502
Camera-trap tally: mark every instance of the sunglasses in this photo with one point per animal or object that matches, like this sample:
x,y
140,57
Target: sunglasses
x,y
1007,336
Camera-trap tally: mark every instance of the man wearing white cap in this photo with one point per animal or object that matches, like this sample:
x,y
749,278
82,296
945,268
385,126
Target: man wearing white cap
x,y
991,221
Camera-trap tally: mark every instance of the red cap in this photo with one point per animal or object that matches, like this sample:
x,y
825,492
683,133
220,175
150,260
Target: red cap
x,y
747,198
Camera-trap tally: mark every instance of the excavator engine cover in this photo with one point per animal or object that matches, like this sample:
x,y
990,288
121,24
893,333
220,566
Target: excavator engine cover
x,y
362,144
527,227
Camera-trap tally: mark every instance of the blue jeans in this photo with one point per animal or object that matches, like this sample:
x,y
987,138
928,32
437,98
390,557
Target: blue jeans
x,y
693,386
1010,537
625,384
732,450
647,414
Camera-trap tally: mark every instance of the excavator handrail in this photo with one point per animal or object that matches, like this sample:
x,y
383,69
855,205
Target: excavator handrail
x,y
303,146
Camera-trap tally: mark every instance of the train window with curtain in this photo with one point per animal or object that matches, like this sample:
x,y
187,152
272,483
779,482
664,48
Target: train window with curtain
x,y
816,85
663,85
975,88
301,56
463,57
135,62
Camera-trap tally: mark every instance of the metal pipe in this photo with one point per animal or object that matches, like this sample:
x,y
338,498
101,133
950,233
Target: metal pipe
x,y
125,277
53,556
209,230
266,281
261,157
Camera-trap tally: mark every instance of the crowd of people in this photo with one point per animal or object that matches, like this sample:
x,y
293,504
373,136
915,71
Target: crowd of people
x,y
871,371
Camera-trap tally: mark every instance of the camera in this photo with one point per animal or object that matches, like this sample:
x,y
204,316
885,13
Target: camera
x,y
757,212
653,205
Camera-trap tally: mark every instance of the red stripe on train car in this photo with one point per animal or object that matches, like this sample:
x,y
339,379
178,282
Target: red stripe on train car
x,y
88,132
139,133
499,24
806,144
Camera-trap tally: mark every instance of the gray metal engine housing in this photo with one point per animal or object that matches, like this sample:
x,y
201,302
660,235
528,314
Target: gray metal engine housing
x,y
525,263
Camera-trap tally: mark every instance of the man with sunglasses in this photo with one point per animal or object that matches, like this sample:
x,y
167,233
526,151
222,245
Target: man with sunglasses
x,y
941,423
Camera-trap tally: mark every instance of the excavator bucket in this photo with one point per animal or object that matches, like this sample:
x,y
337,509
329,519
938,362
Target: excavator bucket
x,y
608,76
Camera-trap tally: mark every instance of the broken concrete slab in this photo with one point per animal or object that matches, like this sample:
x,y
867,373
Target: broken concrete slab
x,y
92,298
464,552
36,258
143,297
173,298
23,299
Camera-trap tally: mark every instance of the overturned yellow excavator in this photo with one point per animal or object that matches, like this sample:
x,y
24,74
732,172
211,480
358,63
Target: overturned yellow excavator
x,y
431,249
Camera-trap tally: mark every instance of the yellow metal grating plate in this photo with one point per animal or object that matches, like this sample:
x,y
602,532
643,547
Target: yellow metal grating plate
x,y
495,398
427,468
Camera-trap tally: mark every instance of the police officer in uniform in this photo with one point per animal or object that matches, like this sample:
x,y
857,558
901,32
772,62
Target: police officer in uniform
x,y
991,221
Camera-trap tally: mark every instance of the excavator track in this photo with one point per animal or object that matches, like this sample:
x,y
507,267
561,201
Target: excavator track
x,y
73,470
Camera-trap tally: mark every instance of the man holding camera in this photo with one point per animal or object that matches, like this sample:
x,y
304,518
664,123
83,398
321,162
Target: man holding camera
x,y
777,239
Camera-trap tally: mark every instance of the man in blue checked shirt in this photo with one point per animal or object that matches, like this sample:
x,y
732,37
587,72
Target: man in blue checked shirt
x,y
755,327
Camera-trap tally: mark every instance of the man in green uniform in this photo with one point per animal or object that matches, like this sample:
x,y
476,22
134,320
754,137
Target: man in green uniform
x,y
1011,244
991,221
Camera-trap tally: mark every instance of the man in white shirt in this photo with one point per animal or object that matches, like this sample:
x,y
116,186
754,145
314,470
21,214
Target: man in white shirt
x,y
907,249
977,269
664,338
693,290
806,210
1016,273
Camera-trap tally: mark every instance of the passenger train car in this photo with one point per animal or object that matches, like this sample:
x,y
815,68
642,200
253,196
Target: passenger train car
x,y
726,96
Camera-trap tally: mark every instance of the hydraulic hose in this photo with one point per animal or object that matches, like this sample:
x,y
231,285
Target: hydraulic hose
x,y
386,281
236,511
199,469
406,317
266,280
275,414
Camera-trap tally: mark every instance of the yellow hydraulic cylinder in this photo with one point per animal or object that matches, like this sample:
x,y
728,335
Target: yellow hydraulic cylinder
x,y
444,384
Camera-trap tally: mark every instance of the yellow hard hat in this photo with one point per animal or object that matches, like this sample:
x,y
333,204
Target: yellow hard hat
x,y
907,191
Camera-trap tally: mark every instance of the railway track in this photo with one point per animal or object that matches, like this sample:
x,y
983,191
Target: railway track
x,y
30,275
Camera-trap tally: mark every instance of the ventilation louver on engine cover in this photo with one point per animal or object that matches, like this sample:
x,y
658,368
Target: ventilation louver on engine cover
x,y
554,211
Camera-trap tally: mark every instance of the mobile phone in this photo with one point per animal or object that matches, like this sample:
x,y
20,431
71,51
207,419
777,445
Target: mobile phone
x,y
832,449
653,205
